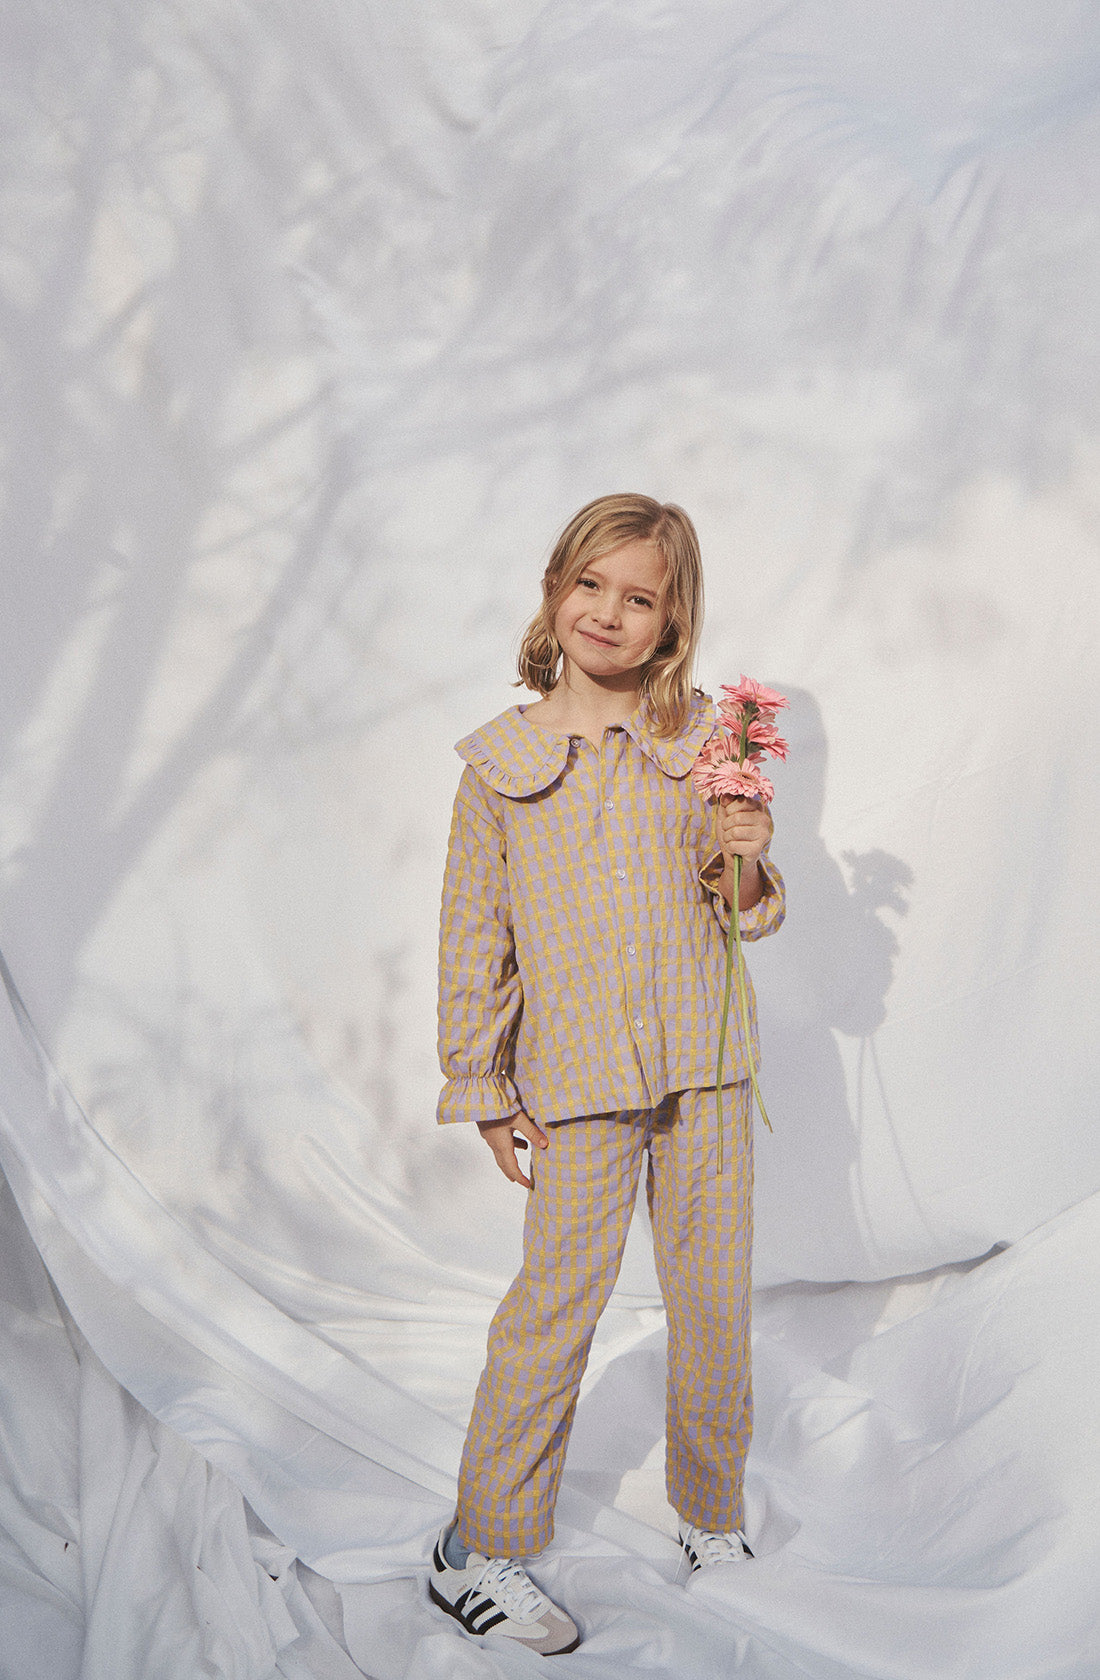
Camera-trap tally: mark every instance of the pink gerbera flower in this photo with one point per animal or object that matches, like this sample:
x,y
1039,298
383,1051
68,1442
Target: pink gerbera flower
x,y
718,773
760,736
751,692
726,768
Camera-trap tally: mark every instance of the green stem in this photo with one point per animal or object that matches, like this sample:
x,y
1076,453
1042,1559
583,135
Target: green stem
x,y
743,991
734,916
733,945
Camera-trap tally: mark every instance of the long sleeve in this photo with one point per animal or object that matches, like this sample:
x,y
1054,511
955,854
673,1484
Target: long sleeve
x,y
766,915
480,994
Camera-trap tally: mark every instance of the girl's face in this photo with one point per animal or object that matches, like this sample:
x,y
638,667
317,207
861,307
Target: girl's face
x,y
611,620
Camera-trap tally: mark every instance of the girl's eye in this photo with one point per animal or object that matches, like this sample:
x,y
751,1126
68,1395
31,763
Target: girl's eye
x,y
587,583
641,601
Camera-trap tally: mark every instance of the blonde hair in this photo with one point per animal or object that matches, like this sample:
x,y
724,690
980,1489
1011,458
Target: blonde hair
x,y
599,527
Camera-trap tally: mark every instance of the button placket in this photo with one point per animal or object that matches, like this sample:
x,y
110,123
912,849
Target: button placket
x,y
616,836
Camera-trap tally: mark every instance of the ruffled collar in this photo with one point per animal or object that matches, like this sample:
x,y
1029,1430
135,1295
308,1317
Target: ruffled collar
x,y
517,758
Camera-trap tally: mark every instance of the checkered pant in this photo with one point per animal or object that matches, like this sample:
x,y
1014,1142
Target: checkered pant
x,y
578,1214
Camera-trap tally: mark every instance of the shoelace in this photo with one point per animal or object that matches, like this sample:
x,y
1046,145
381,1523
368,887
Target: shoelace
x,y
715,1548
512,1588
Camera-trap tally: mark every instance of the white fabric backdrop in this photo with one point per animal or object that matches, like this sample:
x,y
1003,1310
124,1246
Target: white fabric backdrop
x,y
318,322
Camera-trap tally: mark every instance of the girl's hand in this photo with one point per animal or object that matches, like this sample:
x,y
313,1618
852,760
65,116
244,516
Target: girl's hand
x,y
501,1137
744,829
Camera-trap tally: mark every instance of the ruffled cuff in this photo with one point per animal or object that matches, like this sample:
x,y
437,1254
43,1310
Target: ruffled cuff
x,y
768,911
477,1097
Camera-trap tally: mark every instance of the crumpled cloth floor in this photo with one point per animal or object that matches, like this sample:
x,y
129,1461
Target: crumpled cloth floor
x,y
923,1496
123,1552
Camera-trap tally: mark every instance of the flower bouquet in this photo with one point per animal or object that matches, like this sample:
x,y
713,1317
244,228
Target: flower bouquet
x,y
729,768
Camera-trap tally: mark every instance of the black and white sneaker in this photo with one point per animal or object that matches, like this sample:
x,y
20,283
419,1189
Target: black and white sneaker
x,y
705,1548
496,1595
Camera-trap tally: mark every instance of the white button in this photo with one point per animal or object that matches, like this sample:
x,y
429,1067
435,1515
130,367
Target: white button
x,y
630,950
620,874
609,804
638,1022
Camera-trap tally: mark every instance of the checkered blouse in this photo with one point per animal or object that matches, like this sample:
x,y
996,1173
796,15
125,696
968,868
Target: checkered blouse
x,y
582,940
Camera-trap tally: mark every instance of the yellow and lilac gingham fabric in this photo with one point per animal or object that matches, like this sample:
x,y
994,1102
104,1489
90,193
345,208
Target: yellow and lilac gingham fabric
x,y
578,1214
582,940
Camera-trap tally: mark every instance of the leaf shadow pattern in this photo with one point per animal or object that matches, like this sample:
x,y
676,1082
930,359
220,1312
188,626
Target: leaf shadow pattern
x,y
136,489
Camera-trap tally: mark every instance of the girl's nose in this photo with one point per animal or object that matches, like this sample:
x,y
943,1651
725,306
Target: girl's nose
x,y
606,612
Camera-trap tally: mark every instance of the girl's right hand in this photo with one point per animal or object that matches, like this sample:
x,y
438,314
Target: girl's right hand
x,y
501,1137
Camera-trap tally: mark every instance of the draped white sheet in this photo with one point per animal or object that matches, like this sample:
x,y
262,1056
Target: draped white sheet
x,y
317,323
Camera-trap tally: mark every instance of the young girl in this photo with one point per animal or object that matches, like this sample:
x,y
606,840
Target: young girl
x,y
585,910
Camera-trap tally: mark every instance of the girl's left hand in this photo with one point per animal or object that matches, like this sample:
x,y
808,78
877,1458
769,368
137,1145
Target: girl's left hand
x,y
744,829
